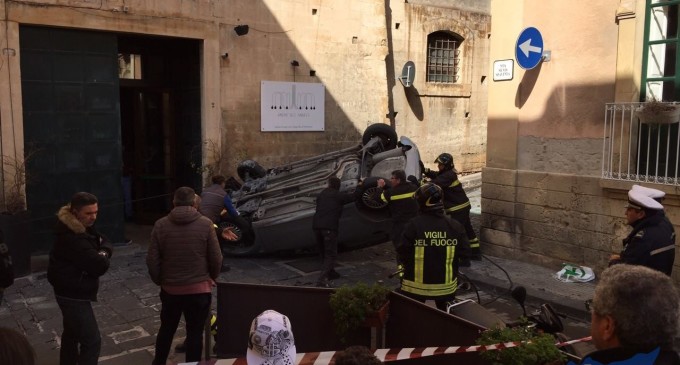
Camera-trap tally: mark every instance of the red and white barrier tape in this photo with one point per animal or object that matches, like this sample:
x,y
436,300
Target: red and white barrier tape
x,y
387,355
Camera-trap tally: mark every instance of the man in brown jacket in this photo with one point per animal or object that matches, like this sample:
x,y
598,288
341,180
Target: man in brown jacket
x,y
184,258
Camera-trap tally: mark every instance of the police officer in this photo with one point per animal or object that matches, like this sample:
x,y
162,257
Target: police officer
x,y
456,202
399,199
651,243
430,250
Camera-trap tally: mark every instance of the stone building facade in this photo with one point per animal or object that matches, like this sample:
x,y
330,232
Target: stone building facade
x,y
548,193
190,99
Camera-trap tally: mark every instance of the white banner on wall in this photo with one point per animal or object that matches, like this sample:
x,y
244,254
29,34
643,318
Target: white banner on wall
x,y
292,106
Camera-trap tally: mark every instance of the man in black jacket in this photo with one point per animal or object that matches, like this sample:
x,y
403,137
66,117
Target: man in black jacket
x,y
329,205
80,255
651,243
456,203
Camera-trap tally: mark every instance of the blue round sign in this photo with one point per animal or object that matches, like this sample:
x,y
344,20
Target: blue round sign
x,y
529,48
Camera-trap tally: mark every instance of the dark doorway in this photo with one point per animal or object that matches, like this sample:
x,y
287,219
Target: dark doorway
x,y
160,121
92,130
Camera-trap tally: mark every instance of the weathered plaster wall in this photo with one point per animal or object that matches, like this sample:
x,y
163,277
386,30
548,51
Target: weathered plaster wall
x,y
542,198
347,43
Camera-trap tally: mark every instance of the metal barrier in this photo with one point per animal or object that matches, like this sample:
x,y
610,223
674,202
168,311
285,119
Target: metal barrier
x,y
635,151
410,323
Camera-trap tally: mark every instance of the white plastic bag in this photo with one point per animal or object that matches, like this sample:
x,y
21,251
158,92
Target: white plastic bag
x,y
571,273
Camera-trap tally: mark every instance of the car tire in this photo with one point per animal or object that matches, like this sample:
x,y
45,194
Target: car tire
x,y
249,169
386,133
368,199
244,244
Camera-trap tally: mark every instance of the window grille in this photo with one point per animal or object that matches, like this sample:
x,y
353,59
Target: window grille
x,y
443,58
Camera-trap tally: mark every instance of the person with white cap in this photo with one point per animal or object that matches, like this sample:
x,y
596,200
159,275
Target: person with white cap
x,y
651,243
271,340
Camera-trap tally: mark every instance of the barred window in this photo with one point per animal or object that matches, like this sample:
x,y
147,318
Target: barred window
x,y
443,57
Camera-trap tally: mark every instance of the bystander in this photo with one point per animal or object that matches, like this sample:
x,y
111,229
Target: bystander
x,y
80,255
184,258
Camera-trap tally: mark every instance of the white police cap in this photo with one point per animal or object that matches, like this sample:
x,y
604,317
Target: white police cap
x,y
638,200
652,193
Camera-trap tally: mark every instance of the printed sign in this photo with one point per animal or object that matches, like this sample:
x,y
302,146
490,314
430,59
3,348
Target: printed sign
x,y
291,106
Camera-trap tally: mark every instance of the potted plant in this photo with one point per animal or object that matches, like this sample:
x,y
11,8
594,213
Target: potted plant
x,y
536,349
657,112
357,305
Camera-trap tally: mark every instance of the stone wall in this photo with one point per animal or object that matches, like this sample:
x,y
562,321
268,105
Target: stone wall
x,y
550,218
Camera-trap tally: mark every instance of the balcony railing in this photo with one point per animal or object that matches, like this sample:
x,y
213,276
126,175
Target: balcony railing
x,y
634,151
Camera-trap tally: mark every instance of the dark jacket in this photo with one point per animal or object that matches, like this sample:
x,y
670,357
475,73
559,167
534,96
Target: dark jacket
x,y
651,244
75,263
625,357
184,249
329,204
212,202
400,202
454,196
431,247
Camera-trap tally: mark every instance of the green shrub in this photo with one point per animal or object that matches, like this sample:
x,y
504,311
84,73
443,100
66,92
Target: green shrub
x,y
351,304
539,350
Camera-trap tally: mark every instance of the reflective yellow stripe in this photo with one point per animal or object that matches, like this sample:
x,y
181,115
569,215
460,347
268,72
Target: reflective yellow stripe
x,y
457,207
429,289
382,197
419,267
402,196
455,183
450,251
474,243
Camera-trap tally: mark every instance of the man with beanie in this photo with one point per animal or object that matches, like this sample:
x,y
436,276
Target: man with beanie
x,y
80,255
184,258
651,243
329,205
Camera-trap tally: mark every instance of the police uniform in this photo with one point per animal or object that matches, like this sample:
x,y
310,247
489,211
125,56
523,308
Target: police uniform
x,y
430,249
456,204
402,206
651,243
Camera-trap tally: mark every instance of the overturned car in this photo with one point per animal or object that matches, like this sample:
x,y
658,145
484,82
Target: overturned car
x,y
277,205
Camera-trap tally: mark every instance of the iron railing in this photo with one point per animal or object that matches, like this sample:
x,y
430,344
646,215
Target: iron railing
x,y
641,152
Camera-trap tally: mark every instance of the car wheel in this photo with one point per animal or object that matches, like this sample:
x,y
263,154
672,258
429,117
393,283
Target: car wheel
x,y
250,169
386,133
368,200
244,243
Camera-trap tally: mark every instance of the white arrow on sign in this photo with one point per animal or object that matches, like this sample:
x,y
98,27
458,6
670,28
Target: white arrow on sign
x,y
526,47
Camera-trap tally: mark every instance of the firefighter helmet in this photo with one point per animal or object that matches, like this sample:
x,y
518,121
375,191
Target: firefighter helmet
x,y
429,197
445,159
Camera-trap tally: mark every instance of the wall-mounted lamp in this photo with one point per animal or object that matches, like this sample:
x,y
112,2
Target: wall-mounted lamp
x,y
224,55
294,63
241,29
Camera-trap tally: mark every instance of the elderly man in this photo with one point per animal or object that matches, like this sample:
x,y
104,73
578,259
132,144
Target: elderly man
x,y
184,258
634,317
80,255
651,243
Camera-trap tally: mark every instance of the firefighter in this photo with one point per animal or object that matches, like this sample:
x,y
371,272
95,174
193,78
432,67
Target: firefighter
x,y
399,199
456,202
431,246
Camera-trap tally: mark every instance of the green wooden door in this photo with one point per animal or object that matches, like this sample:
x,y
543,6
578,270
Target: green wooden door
x,y
71,111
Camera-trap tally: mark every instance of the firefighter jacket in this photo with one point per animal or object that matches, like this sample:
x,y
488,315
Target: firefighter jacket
x,y
431,246
651,244
455,198
399,199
